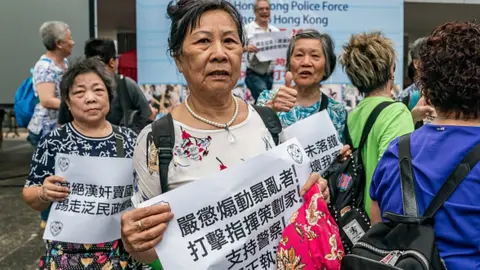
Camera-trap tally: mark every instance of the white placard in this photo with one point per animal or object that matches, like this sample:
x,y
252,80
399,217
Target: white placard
x,y
101,189
271,45
234,219
318,136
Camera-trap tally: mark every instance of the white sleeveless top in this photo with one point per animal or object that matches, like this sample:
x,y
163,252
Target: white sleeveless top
x,y
197,154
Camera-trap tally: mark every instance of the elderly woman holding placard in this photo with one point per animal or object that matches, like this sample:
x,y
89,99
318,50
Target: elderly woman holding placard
x,y
310,61
86,88
211,131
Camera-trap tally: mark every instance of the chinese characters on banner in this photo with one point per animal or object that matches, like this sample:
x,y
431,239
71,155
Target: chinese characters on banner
x,y
101,189
271,44
234,220
319,138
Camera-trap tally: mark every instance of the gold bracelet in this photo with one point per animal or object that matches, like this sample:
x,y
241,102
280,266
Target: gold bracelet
x,y
40,196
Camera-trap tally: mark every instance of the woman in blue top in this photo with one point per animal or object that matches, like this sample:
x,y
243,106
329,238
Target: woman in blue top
x,y
450,82
310,60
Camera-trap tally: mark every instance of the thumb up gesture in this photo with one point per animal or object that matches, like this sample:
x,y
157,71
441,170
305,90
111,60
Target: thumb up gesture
x,y
286,97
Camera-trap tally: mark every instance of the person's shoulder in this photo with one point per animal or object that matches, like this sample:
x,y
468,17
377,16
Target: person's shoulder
x,y
266,95
250,25
273,28
132,85
335,104
126,131
59,133
396,108
398,117
43,63
129,80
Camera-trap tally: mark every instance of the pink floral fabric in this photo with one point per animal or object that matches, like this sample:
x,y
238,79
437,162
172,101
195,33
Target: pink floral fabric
x,y
311,240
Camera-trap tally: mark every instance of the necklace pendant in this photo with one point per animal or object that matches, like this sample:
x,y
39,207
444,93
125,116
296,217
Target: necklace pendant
x,y
230,136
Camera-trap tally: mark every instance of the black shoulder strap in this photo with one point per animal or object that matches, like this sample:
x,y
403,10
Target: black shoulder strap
x,y
163,133
407,181
453,180
271,121
371,121
123,96
323,102
118,142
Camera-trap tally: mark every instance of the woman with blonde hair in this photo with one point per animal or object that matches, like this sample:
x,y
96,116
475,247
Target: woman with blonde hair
x,y
369,62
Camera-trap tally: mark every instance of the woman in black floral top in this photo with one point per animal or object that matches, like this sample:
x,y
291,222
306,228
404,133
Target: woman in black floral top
x,y
87,90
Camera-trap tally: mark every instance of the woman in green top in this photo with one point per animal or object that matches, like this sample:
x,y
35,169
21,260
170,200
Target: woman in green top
x,y
369,61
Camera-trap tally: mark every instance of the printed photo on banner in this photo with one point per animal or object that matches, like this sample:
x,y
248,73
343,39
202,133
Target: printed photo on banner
x,y
337,18
236,218
91,213
163,97
319,138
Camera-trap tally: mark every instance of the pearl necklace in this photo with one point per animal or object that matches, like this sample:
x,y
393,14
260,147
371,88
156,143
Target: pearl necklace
x,y
230,136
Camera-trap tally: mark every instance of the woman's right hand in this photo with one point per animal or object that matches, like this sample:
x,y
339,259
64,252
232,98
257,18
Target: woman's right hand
x,y
52,190
286,97
143,228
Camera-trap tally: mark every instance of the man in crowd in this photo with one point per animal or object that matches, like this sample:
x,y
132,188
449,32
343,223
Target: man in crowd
x,y
259,74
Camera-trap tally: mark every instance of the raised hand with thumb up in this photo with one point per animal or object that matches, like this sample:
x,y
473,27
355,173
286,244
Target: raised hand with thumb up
x,y
286,97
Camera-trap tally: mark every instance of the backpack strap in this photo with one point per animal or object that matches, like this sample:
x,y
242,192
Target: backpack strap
x,y
163,132
371,121
123,97
323,102
271,121
407,182
453,181
118,142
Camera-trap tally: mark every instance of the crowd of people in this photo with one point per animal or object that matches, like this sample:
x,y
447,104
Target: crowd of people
x,y
86,109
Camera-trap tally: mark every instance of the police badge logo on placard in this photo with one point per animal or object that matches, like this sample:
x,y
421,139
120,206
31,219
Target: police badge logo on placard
x,y
63,163
56,228
295,153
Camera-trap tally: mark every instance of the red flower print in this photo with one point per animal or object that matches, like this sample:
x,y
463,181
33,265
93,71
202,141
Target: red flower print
x,y
222,167
192,147
185,135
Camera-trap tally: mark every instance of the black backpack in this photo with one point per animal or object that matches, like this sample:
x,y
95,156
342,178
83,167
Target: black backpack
x,y
408,241
347,182
163,133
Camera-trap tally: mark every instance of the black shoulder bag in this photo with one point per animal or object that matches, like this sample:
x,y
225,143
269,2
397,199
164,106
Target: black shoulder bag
x,y
347,182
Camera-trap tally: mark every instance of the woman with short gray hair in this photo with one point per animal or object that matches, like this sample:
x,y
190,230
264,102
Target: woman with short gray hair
x,y
46,76
310,60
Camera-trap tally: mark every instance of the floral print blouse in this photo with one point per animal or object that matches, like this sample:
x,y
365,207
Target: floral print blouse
x,y
196,154
336,110
45,71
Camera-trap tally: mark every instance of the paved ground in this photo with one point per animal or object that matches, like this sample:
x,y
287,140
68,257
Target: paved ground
x,y
20,234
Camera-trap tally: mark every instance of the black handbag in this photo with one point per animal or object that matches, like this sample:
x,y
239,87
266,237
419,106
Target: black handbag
x,y
347,182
